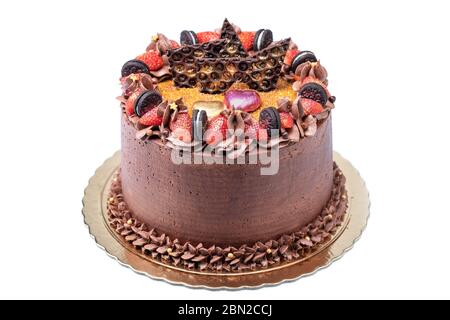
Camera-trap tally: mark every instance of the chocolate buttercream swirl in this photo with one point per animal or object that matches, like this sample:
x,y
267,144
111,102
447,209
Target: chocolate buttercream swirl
x,y
237,142
135,82
311,69
260,255
160,43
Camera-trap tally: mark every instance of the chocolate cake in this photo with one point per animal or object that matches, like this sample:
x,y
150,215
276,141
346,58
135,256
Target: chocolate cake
x,y
227,158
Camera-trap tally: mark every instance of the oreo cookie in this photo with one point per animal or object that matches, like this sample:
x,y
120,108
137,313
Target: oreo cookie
x,y
199,124
188,38
263,38
134,66
302,57
147,101
270,118
314,91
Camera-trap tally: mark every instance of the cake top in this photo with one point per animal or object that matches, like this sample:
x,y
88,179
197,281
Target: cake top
x,y
225,89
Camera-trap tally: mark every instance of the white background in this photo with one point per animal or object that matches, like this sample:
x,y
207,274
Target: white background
x,y
388,63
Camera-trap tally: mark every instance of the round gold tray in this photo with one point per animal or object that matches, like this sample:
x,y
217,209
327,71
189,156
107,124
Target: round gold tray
x,y
94,211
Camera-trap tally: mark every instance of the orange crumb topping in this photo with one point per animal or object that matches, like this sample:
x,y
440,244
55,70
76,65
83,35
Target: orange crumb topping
x,y
191,95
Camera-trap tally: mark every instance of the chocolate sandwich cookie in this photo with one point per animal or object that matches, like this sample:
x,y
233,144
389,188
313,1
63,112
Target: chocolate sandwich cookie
x,y
134,66
147,101
188,38
314,91
263,38
199,124
270,119
302,57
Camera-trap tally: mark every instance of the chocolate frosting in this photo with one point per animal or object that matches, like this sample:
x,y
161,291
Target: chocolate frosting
x,y
223,204
245,257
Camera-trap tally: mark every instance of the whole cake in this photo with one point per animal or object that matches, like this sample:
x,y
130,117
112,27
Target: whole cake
x,y
227,158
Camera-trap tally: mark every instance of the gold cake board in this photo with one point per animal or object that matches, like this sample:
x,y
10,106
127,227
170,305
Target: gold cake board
x,y
95,217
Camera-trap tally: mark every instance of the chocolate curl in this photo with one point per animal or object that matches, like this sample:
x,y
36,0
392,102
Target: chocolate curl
x,y
298,114
146,133
179,107
164,112
310,126
284,105
297,110
294,134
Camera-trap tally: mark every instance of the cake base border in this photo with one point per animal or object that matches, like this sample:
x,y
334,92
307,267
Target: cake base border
x,y
355,221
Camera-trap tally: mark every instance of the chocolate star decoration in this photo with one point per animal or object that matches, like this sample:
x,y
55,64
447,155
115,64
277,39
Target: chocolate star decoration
x,y
214,66
234,45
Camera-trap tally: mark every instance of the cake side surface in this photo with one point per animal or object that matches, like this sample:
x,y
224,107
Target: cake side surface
x,y
226,204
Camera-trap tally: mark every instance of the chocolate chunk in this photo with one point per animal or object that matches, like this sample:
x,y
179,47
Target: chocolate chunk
x,y
134,66
302,57
147,101
270,118
199,123
314,91
188,38
263,38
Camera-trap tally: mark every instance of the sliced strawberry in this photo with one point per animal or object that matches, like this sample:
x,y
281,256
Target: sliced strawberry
x,y
311,107
247,39
152,59
151,118
255,130
181,127
287,121
290,54
216,130
174,44
129,105
207,36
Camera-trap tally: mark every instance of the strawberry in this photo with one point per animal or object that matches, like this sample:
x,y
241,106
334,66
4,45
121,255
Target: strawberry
x,y
290,54
181,127
129,105
247,39
216,130
287,121
255,130
152,59
151,118
311,107
174,44
207,36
